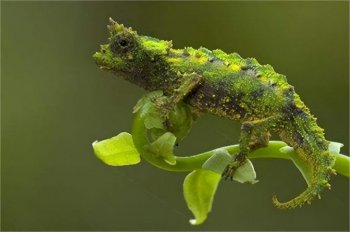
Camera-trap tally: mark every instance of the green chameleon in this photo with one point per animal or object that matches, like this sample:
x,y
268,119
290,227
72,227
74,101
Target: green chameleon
x,y
228,86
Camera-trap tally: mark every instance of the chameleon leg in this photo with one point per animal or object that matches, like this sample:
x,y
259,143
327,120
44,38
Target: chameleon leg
x,y
254,134
188,83
259,139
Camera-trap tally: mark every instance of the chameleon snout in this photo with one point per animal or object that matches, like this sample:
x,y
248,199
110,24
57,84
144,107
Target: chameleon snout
x,y
97,56
103,57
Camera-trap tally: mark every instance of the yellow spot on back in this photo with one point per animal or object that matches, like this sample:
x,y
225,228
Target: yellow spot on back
x,y
234,67
174,59
202,60
197,54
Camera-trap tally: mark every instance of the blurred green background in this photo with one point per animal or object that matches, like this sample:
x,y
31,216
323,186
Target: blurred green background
x,y
55,102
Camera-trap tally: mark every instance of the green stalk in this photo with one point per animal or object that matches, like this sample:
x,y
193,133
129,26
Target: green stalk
x,y
190,163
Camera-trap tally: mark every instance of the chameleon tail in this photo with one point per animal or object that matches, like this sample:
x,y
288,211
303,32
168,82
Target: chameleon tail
x,y
320,178
307,139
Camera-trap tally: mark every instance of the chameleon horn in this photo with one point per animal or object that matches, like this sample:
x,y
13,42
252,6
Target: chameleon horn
x,y
115,27
111,20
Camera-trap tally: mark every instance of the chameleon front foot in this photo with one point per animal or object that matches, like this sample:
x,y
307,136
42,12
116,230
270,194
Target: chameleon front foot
x,y
230,170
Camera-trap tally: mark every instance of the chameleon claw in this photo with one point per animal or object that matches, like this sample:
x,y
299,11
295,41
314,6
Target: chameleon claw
x,y
231,168
332,171
228,172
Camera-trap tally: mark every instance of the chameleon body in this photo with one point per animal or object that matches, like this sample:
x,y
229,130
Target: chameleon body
x,y
228,86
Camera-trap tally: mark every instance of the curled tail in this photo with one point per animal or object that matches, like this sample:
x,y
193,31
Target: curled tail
x,y
320,180
307,139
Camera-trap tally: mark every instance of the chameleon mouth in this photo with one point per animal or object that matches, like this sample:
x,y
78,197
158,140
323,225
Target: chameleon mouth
x,y
101,61
106,60
105,64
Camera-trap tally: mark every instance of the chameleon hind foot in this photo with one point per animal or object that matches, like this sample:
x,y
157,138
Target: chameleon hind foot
x,y
254,135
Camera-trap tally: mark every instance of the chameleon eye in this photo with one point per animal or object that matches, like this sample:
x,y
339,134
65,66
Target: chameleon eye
x,y
122,44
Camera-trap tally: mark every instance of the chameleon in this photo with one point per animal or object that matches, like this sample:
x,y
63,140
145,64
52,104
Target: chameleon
x,y
229,86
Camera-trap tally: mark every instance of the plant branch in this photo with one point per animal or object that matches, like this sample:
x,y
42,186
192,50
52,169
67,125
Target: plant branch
x,y
190,163
145,114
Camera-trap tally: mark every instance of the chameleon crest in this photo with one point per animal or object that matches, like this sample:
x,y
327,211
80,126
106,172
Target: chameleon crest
x,y
226,85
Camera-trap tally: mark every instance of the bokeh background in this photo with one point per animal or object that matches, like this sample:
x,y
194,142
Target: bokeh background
x,y
55,102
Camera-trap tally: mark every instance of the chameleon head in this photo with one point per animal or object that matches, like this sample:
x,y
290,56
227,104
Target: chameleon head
x,y
116,56
129,55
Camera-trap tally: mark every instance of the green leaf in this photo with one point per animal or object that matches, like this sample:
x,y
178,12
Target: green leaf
x,y
334,147
304,168
117,151
146,98
163,147
151,115
181,120
149,111
199,189
245,173
218,161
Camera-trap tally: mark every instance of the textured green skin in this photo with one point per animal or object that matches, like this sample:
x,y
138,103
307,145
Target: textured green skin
x,y
230,87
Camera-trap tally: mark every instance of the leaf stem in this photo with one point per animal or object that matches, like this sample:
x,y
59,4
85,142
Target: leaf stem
x,y
190,163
